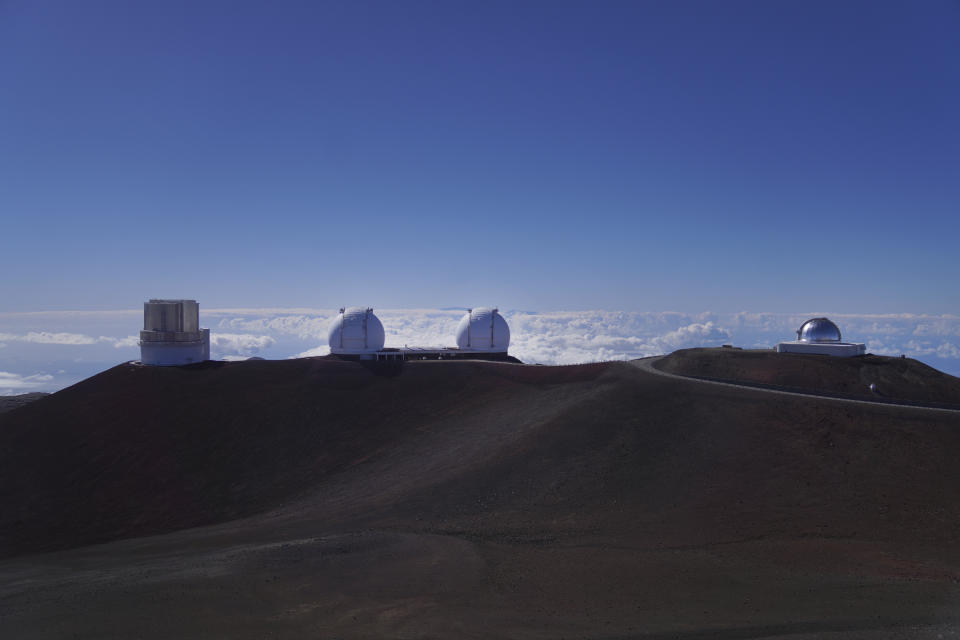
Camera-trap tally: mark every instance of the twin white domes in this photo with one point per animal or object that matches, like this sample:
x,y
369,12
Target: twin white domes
x,y
356,330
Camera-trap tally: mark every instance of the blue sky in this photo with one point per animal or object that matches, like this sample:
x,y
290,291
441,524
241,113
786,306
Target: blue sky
x,y
640,156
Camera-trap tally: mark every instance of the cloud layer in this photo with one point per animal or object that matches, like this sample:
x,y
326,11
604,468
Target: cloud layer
x,y
49,350
15,383
238,344
562,337
63,338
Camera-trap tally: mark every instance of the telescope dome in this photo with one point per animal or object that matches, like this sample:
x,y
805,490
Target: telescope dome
x,y
356,330
483,329
818,330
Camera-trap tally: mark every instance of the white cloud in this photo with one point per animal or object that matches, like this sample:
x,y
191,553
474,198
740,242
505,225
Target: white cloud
x,y
63,338
68,339
570,337
298,325
238,344
419,327
45,337
692,335
312,353
948,350
938,327
14,383
920,348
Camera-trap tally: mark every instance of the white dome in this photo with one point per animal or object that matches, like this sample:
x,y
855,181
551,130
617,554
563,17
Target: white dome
x,y
483,329
356,330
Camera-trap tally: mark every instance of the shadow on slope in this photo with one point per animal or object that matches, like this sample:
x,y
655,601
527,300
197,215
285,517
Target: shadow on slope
x,y
468,499
141,450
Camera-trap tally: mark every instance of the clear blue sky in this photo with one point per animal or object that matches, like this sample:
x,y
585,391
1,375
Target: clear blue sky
x,y
692,156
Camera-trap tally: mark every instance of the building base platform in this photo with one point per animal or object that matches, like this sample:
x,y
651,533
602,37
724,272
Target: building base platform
x,y
842,349
174,348
428,353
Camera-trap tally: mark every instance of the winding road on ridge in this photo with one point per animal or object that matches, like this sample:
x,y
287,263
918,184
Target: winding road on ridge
x,y
648,365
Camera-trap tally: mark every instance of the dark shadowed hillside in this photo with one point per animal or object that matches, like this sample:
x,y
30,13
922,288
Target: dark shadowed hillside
x,y
8,403
140,450
472,499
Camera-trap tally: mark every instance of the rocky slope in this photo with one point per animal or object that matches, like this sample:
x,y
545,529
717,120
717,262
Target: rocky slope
x,y
315,498
902,379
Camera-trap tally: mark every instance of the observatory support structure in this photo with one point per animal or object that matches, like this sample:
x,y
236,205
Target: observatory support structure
x,y
172,335
843,349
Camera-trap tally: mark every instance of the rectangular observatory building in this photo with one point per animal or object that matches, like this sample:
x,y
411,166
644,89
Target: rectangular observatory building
x,y
171,334
821,336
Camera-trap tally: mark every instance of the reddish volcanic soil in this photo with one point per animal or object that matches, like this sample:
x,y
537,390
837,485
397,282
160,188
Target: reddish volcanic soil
x,y
315,498
903,379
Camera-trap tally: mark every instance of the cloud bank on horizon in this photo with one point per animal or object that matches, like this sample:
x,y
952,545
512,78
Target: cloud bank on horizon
x,y
46,351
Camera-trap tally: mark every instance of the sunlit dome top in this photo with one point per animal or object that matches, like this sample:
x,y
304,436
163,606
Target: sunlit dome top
x,y
356,330
818,330
483,329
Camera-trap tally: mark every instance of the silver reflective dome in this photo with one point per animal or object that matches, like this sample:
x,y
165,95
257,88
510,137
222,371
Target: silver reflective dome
x,y
818,330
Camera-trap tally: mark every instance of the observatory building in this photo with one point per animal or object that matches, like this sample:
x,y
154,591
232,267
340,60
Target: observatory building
x,y
821,336
484,330
357,334
172,335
